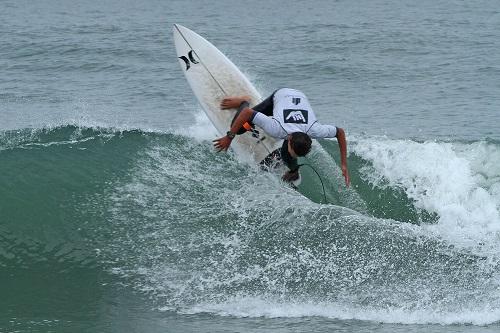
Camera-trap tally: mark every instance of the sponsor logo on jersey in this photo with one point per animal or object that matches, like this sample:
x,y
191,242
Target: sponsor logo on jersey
x,y
296,100
295,116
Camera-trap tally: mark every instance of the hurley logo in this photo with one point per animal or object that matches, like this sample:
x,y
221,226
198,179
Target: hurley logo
x,y
191,58
295,116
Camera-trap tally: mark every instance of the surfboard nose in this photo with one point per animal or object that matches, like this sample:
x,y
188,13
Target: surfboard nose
x,y
178,27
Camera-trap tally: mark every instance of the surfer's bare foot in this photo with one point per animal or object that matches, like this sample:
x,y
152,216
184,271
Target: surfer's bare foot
x,y
231,102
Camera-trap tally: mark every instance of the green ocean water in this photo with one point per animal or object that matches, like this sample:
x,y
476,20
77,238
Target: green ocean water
x,y
106,229
116,214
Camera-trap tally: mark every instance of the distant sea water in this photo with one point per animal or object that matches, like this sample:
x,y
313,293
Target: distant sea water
x,y
116,214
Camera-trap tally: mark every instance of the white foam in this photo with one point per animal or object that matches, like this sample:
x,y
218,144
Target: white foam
x,y
261,307
459,182
151,196
201,130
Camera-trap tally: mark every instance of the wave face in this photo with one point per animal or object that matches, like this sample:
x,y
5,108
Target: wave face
x,y
414,240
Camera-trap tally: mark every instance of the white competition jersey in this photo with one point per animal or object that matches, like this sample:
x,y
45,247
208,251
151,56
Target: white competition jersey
x,y
292,113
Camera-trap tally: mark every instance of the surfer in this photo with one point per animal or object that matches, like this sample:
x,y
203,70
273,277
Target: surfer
x,y
286,114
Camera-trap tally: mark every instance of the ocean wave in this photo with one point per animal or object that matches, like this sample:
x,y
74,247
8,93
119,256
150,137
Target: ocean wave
x,y
458,182
200,231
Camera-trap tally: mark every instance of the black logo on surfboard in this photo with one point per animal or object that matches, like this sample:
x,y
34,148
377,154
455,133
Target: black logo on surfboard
x,y
190,60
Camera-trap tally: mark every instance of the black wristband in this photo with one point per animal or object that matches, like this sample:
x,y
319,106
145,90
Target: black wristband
x,y
230,135
243,105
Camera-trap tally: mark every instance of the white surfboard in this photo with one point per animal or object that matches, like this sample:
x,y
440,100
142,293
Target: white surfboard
x,y
212,76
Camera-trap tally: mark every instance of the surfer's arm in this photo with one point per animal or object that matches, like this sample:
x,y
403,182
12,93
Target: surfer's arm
x,y
246,115
318,131
340,135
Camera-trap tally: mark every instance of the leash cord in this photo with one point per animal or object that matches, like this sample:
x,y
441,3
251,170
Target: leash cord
x,y
320,179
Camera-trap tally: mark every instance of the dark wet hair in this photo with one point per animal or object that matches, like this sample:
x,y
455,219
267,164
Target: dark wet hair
x,y
300,143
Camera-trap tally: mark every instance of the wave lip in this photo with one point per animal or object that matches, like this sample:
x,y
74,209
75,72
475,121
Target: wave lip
x,y
460,182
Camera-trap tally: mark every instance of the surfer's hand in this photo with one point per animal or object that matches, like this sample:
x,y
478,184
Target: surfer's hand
x,y
222,143
290,176
345,173
232,102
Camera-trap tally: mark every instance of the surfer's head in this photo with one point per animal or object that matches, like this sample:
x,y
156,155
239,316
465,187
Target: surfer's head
x,y
300,143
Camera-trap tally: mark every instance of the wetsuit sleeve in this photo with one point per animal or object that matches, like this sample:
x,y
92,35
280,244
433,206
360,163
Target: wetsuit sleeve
x,y
318,131
270,125
266,106
243,105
